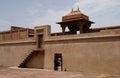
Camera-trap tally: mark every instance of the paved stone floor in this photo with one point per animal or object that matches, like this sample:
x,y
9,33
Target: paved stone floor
x,y
38,73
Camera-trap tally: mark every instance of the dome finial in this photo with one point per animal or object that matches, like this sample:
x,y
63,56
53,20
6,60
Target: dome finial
x,y
72,10
78,9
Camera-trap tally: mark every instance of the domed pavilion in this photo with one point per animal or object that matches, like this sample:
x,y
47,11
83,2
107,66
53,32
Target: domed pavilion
x,y
75,21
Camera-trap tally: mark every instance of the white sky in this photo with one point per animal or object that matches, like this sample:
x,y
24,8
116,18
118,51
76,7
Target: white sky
x,y
31,13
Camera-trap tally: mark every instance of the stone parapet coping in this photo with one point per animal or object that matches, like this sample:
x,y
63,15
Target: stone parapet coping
x,y
18,42
82,36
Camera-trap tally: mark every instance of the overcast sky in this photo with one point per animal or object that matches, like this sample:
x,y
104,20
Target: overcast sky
x,y
31,13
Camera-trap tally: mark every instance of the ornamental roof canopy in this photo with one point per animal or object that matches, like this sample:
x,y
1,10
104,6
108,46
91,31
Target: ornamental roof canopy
x,y
75,15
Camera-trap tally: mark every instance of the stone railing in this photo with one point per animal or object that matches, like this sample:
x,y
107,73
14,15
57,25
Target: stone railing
x,y
15,35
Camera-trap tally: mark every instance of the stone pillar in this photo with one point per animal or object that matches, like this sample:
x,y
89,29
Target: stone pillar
x,y
81,28
63,28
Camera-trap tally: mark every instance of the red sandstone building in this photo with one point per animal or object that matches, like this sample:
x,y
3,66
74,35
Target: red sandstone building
x,y
81,49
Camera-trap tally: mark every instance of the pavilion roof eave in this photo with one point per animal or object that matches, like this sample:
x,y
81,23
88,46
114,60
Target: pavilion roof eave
x,y
74,21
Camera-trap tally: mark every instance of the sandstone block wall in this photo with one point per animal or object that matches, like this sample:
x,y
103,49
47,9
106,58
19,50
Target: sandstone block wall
x,y
93,55
36,61
13,53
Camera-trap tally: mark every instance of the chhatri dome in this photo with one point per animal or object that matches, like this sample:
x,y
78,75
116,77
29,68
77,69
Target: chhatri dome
x,y
75,21
74,15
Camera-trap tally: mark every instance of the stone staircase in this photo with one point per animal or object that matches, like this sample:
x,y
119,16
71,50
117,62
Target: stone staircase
x,y
28,57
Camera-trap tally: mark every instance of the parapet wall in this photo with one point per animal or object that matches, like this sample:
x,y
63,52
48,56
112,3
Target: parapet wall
x,y
16,34
101,34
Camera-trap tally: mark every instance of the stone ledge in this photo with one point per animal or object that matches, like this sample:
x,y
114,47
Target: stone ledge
x,y
78,37
18,42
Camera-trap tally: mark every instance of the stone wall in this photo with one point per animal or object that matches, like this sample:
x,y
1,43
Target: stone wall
x,y
16,34
36,61
93,53
13,53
